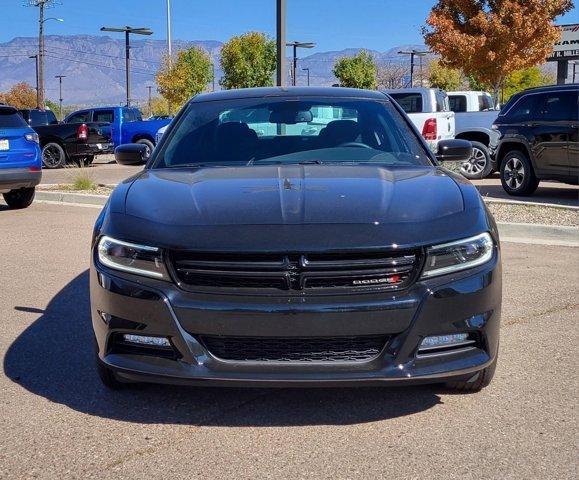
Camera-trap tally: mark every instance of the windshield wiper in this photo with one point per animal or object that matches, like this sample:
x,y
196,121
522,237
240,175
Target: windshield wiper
x,y
192,165
304,162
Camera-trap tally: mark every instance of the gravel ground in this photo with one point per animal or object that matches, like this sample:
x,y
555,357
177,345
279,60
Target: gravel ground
x,y
515,213
69,188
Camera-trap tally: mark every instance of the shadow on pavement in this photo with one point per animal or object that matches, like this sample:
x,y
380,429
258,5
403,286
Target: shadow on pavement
x,y
53,358
548,192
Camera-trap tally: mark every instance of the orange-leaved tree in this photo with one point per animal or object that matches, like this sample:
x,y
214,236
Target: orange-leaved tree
x,y
21,95
490,39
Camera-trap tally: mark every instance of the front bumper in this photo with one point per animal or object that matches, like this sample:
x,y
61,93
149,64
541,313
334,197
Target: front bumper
x,y
465,302
15,178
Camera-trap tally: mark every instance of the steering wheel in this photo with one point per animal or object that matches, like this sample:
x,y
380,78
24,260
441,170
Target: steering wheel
x,y
355,144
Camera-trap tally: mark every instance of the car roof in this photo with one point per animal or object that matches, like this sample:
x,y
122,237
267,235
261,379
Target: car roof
x,y
549,88
281,92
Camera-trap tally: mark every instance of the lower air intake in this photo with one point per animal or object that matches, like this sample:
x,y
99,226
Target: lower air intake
x,y
286,349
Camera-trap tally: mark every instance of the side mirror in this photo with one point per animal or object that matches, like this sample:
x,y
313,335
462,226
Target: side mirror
x,y
454,150
131,154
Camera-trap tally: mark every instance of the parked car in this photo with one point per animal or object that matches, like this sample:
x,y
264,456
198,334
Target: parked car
x,y
126,124
77,142
160,134
539,130
20,164
429,110
159,117
474,115
35,116
346,257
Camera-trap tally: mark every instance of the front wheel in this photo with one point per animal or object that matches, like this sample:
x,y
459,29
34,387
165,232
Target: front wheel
x,y
517,175
53,156
481,380
20,198
107,376
150,146
479,164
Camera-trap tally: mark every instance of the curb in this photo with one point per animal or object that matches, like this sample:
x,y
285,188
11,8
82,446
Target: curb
x,y
510,232
531,204
74,198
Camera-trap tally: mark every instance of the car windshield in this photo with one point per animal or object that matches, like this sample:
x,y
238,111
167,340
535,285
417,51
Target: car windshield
x,y
285,131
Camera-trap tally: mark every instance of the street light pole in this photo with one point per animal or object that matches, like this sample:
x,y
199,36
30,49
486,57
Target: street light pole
x,y
280,42
308,72
295,46
412,54
169,27
60,77
127,31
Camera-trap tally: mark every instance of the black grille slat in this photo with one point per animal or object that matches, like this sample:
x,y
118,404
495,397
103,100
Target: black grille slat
x,y
290,349
295,272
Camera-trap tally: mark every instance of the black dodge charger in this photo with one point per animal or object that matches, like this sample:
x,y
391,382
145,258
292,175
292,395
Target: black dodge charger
x,y
301,236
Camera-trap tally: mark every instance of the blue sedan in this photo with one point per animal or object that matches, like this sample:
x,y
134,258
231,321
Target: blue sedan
x,y
20,160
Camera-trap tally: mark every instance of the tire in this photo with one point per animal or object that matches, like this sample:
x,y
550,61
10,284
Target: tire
x,y
21,198
107,376
479,165
517,174
481,381
53,155
150,147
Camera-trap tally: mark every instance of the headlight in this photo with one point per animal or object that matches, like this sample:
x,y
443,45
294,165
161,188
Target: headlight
x,y
132,258
32,137
459,255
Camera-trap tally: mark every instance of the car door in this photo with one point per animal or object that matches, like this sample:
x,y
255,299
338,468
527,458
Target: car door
x,y
573,147
551,131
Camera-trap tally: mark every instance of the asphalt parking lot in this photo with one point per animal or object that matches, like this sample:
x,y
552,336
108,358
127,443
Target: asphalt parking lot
x,y
106,171
59,422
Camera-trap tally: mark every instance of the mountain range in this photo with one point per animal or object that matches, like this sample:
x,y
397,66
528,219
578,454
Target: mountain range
x,y
94,66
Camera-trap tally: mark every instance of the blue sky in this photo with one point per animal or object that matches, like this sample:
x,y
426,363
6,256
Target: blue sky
x,y
332,24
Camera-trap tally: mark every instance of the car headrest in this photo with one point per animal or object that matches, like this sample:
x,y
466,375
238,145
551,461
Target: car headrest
x,y
340,131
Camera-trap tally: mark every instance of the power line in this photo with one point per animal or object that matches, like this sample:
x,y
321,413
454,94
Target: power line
x,y
100,65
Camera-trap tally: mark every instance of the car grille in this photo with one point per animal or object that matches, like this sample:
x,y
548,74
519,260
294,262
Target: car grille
x,y
289,349
305,273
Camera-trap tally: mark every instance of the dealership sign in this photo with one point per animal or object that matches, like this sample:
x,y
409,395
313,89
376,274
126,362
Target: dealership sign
x,y
568,45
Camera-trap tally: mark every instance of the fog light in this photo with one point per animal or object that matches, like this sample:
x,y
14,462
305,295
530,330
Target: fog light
x,y
149,341
444,340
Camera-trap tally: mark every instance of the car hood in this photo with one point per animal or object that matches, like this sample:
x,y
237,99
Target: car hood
x,y
302,194
365,203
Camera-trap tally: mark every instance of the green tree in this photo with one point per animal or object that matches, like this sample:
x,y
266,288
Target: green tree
x,y
50,105
522,79
358,71
445,78
181,78
248,60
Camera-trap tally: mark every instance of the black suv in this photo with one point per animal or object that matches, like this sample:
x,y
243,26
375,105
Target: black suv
x,y
539,138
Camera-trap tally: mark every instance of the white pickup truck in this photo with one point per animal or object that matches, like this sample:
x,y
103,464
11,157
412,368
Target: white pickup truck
x,y
429,110
475,114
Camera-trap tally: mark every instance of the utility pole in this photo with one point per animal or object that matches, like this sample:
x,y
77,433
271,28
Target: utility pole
x,y
41,4
149,87
36,62
295,46
60,77
280,42
308,72
412,54
40,91
127,31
